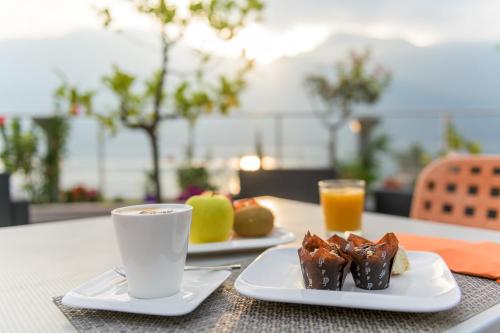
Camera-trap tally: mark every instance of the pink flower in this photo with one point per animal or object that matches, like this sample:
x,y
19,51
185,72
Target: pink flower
x,y
2,121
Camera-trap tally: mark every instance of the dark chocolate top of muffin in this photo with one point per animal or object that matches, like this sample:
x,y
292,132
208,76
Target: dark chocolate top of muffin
x,y
367,249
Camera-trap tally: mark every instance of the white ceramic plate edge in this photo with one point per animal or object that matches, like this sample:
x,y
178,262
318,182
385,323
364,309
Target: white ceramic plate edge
x,y
243,243
346,298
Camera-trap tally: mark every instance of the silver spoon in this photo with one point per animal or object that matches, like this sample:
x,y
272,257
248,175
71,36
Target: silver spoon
x,y
120,270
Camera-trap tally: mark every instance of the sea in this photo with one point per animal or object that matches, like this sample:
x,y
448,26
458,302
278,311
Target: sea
x,y
117,164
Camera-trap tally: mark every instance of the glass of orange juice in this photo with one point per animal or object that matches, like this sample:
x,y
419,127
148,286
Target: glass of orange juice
x,y
342,201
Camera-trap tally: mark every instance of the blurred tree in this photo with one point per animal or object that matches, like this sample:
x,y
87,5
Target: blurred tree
x,y
56,131
194,176
353,84
411,162
197,96
367,166
415,158
67,100
19,153
195,93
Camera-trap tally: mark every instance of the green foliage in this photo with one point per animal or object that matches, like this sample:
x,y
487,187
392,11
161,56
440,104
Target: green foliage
x,y
105,15
40,168
376,146
229,90
413,160
19,154
356,170
192,95
367,167
354,84
69,99
193,98
149,184
120,83
226,17
133,105
19,148
56,130
456,142
163,12
118,199
191,103
194,176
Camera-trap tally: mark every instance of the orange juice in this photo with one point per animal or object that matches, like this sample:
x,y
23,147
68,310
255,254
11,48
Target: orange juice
x,y
342,207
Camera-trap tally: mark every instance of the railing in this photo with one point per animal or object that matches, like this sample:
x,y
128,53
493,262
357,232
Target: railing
x,y
291,139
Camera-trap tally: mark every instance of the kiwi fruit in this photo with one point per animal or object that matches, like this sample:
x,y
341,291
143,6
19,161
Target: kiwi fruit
x,y
253,221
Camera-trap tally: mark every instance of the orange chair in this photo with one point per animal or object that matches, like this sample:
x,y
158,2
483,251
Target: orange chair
x,y
461,190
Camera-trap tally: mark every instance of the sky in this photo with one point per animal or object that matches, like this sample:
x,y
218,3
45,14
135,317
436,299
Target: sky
x,y
290,26
442,54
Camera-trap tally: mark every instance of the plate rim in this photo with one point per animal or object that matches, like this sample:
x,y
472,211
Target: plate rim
x,y
449,299
245,243
77,300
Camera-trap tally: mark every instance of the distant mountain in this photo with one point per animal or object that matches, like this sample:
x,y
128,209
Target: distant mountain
x,y
448,76
453,75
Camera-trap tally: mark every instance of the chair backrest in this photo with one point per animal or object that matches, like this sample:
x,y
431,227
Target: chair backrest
x,y
295,184
461,190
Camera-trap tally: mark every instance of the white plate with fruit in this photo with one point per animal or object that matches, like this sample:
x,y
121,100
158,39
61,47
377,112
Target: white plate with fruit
x,y
220,226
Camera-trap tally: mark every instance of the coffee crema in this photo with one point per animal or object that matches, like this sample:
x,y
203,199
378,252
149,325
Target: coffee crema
x,y
150,211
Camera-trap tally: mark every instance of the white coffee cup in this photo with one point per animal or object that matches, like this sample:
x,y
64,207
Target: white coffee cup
x,y
153,247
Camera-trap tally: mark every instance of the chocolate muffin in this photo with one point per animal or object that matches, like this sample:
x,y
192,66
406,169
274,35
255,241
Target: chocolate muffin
x,y
372,262
323,265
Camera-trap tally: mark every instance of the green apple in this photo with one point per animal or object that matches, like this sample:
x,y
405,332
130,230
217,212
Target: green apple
x,y
213,218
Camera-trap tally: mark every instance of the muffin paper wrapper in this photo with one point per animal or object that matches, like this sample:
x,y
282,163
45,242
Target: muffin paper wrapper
x,y
373,272
320,268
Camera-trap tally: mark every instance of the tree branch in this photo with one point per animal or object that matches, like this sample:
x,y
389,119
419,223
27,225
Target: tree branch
x,y
163,73
126,122
136,125
168,116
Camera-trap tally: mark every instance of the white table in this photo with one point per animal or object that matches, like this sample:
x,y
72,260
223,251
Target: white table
x,y
38,262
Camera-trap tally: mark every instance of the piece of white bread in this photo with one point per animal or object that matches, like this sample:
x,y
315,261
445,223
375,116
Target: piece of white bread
x,y
401,263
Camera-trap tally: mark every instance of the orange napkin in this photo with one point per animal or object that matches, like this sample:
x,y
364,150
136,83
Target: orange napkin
x,y
479,259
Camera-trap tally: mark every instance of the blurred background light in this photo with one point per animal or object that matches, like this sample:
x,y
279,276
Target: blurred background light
x,y
250,163
355,126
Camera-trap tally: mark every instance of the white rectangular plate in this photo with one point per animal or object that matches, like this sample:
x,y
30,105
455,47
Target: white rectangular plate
x,y
428,286
108,291
278,236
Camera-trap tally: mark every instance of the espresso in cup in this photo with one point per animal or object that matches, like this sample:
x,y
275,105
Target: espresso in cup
x,y
153,242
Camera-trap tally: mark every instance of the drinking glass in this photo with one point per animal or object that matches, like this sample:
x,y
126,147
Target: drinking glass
x,y
342,202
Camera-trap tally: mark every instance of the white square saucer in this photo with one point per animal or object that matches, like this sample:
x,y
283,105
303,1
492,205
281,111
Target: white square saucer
x,y
427,286
108,291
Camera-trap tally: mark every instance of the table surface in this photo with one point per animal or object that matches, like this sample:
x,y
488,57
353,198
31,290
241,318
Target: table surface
x,y
38,262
